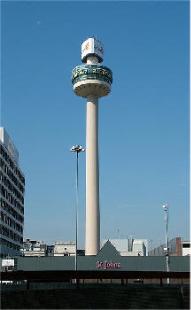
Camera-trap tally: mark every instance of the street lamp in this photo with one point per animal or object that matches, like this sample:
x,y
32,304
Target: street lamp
x,y
76,149
166,208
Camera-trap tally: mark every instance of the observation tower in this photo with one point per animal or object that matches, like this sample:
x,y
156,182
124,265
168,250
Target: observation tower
x,y
91,80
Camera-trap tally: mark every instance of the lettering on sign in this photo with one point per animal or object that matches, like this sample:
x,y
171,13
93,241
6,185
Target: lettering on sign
x,y
107,265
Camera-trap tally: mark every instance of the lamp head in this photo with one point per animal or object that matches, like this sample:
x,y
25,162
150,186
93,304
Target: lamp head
x,y
77,148
165,207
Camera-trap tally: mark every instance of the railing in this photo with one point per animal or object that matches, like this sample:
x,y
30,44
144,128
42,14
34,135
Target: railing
x,y
69,275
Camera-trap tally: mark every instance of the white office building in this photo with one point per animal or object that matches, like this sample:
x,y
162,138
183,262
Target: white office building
x,y
186,248
64,248
12,187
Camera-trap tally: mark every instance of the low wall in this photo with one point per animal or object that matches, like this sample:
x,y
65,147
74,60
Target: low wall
x,y
133,263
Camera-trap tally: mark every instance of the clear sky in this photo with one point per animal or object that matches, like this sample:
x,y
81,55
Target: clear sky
x,y
143,123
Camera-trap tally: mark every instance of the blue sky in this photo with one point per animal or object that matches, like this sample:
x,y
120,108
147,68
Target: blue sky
x,y
143,123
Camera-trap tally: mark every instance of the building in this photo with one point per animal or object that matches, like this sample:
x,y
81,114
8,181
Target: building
x,y
140,247
108,266
34,248
128,282
12,188
176,246
64,248
50,250
40,248
186,248
130,247
108,259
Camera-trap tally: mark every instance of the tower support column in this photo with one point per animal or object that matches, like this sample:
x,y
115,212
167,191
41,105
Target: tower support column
x,y
92,242
92,81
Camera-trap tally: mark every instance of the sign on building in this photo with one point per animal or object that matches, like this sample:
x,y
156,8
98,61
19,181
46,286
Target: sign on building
x,y
8,262
91,46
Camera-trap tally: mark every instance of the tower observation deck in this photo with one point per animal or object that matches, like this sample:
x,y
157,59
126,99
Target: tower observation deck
x,y
91,80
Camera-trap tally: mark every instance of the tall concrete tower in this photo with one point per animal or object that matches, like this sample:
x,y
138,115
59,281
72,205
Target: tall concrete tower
x,y
91,81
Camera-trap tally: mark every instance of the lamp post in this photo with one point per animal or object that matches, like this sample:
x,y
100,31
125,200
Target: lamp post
x,y
166,208
76,149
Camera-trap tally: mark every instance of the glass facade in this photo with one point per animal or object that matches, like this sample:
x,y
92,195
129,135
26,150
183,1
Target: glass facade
x,y
93,72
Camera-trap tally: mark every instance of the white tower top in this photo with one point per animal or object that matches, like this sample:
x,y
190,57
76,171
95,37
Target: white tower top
x,y
92,47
